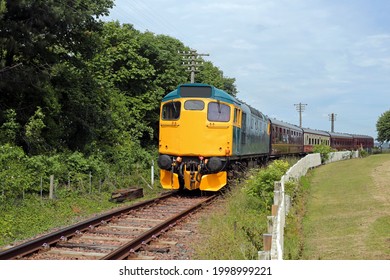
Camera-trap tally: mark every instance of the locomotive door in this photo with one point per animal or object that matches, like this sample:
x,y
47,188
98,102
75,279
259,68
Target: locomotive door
x,y
237,132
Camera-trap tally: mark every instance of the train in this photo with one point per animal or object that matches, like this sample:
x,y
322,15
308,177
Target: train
x,y
205,134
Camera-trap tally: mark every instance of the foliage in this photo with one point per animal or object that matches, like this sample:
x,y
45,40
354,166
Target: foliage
x,y
14,174
3,7
80,96
230,234
262,184
324,151
33,130
383,127
37,38
293,235
212,75
10,128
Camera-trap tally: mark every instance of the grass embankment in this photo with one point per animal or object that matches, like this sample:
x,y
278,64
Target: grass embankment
x,y
348,210
234,230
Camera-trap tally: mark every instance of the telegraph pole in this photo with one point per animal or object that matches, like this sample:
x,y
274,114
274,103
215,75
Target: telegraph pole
x,y
332,118
300,108
192,61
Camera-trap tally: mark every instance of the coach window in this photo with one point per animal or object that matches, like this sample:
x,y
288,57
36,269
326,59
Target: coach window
x,y
218,112
195,105
171,110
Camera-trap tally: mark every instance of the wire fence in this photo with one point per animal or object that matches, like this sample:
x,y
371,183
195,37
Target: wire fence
x,y
54,186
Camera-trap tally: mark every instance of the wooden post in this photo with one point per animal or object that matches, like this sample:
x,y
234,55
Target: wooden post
x,y
267,241
274,210
51,191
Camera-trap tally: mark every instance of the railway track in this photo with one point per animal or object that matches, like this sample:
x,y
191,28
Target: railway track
x,y
119,234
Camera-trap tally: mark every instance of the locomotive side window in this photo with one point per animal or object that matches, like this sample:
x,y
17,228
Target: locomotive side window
x,y
195,105
171,111
237,119
218,112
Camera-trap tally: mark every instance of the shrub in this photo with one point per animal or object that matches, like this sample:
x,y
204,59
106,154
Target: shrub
x,y
262,184
14,175
324,151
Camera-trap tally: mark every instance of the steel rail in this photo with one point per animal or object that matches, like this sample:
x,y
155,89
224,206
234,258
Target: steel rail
x,y
125,250
35,245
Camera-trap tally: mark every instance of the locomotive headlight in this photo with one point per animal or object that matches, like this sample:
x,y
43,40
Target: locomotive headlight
x,y
214,164
164,162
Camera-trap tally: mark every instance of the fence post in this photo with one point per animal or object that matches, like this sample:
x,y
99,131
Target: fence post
x,y
90,182
41,192
152,174
51,192
270,223
277,189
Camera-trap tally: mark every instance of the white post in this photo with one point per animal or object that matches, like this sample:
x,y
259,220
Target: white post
x,y
51,191
152,174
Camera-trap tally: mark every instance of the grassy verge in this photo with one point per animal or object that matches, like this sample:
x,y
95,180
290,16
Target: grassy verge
x,y
347,212
234,230
293,233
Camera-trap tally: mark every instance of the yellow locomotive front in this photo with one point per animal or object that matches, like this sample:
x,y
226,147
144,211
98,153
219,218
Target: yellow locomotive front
x,y
195,138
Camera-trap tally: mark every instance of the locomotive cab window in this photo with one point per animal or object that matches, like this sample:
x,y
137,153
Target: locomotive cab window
x,y
171,111
218,112
237,117
195,105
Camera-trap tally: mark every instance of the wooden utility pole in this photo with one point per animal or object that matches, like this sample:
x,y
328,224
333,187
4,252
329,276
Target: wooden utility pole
x,y
332,118
192,61
300,108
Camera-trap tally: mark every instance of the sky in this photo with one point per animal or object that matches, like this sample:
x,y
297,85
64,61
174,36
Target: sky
x,y
333,55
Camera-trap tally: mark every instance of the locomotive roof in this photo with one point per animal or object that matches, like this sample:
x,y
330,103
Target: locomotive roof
x,y
203,91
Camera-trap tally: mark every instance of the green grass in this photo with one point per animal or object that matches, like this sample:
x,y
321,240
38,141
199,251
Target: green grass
x,y
348,210
234,230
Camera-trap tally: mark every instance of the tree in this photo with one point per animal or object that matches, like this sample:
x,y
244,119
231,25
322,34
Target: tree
x,y
10,128
3,7
212,75
40,40
383,127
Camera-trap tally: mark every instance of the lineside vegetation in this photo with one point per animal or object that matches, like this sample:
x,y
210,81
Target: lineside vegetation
x,y
234,231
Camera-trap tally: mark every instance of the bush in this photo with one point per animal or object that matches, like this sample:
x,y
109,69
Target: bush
x,y
324,151
262,184
15,177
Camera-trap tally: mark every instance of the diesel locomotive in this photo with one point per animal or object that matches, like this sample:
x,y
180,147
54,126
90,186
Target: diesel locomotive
x,y
204,133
